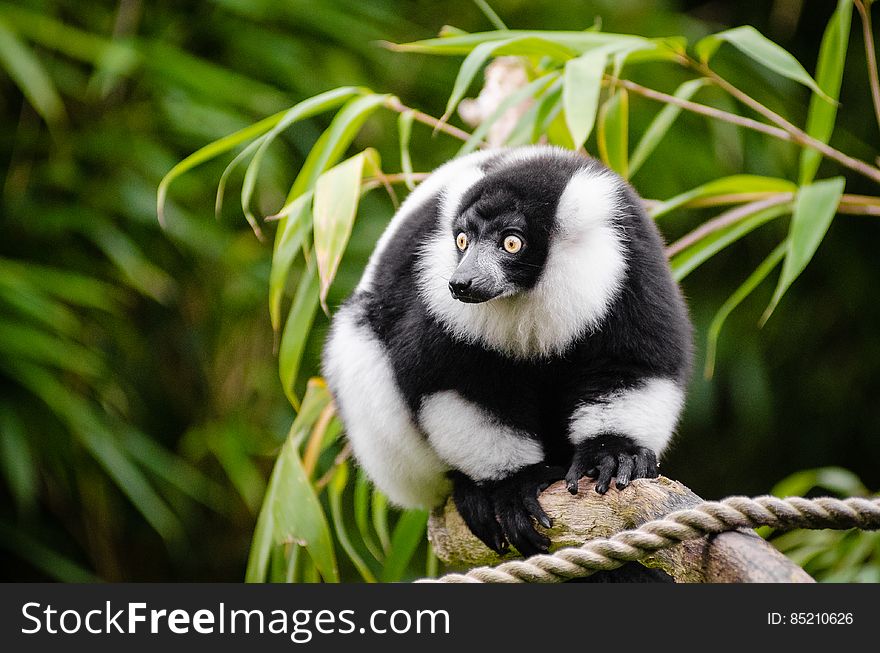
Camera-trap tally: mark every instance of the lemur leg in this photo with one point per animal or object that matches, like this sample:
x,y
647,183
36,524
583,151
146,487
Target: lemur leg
x,y
610,456
501,511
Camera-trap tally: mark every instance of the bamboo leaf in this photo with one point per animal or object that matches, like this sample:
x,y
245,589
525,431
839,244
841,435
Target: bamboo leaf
x,y
17,460
661,123
614,133
691,258
291,514
748,286
314,402
297,514
102,446
335,489
305,109
580,94
409,532
211,151
337,194
334,141
758,47
814,208
290,238
404,132
840,481
296,332
29,75
465,43
477,58
724,186
361,515
379,513
513,100
829,76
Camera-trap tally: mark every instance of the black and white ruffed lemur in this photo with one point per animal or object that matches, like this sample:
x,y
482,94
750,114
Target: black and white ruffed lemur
x,y
517,319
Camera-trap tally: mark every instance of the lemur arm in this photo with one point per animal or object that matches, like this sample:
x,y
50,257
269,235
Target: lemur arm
x,y
621,434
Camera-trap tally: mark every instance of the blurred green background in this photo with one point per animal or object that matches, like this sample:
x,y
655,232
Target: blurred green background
x,y
140,407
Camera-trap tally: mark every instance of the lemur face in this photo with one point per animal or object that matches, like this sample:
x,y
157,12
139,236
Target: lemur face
x,y
501,248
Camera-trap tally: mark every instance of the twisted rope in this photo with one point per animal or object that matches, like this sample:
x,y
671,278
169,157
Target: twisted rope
x,y
708,518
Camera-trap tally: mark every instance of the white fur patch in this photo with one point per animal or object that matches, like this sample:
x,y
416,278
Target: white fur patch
x,y
472,440
448,180
647,414
584,271
385,441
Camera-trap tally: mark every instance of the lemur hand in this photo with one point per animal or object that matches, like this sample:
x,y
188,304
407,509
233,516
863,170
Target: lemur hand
x,y
608,456
501,511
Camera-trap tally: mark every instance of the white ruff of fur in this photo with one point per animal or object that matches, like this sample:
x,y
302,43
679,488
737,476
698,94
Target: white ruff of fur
x,y
647,414
584,271
385,441
471,440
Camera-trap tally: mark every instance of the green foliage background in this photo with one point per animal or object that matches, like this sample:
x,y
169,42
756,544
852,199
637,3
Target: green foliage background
x,y
141,411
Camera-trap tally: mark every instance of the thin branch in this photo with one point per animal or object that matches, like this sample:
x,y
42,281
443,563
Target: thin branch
x,y
726,219
793,133
395,104
341,457
870,56
849,205
702,109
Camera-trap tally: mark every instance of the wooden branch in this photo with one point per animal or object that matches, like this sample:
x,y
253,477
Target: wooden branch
x,y
736,556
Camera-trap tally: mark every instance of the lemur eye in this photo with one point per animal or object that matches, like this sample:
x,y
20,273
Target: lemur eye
x,y
512,244
462,241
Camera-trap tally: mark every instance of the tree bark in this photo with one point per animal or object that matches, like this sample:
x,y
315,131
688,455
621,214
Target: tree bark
x,y
739,556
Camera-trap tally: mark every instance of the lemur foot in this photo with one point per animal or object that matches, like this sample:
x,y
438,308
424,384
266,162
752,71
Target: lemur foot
x,y
608,456
475,507
501,512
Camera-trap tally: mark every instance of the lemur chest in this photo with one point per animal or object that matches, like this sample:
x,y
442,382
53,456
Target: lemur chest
x,y
465,382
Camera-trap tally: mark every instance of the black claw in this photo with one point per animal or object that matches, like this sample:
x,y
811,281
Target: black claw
x,y
624,470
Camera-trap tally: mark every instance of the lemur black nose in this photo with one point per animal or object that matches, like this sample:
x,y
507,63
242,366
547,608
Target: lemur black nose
x,y
458,286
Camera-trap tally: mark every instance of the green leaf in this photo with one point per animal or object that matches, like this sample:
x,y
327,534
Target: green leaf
x,y
361,515
404,132
614,133
29,75
50,562
17,460
305,109
379,510
837,479
290,238
335,489
465,43
746,289
315,400
337,194
476,59
494,18
291,514
725,186
580,94
84,421
409,532
687,261
752,43
513,100
296,331
176,471
661,123
829,76
211,151
814,208
334,141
